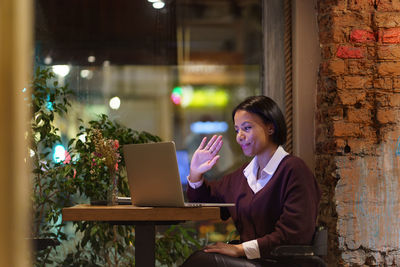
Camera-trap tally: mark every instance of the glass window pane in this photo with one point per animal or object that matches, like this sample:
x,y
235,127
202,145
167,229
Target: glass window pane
x,y
175,71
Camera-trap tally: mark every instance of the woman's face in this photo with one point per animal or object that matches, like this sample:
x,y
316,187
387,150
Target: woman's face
x,y
252,134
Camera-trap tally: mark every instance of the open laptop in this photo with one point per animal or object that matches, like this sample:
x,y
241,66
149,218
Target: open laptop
x,y
153,176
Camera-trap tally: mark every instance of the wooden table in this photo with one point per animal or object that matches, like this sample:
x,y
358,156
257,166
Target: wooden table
x,y
144,218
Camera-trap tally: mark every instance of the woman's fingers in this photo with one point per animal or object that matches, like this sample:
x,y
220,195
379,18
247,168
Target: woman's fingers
x,y
203,142
216,147
211,142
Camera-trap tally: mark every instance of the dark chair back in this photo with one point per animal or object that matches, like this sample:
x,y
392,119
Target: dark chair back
x,y
320,241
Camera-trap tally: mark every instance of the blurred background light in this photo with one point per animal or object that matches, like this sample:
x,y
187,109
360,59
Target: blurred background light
x,y
87,74
176,95
61,70
59,153
48,60
209,127
91,59
115,102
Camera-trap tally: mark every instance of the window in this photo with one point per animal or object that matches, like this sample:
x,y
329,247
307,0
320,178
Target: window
x,y
175,70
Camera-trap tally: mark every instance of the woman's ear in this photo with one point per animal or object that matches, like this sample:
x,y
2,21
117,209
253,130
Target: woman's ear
x,y
270,129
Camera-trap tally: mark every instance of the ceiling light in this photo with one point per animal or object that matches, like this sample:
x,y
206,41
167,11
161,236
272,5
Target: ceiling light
x,y
91,59
158,5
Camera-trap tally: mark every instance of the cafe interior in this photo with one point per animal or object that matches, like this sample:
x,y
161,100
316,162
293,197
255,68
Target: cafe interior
x,y
173,69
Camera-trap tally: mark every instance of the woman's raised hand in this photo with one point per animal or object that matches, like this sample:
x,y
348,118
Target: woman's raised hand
x,y
205,157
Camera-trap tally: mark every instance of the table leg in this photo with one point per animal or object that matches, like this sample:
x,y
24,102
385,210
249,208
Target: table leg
x,y
145,236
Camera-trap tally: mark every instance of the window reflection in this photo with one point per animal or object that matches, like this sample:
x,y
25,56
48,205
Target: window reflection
x,y
175,71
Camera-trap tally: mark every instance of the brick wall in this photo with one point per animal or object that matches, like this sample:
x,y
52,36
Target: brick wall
x,y
358,130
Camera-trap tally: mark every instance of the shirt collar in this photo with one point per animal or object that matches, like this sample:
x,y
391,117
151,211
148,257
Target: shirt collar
x,y
271,167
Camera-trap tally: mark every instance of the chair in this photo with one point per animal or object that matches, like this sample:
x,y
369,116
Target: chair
x,y
299,254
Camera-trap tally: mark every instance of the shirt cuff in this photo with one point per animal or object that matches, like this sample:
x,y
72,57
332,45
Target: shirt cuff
x,y
195,185
251,249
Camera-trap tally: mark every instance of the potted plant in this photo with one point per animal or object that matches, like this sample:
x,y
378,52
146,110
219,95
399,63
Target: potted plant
x,y
83,176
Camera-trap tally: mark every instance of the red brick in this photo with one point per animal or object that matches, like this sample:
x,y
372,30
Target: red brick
x,y
348,97
388,5
383,83
359,115
343,129
349,52
388,116
362,36
389,68
387,19
354,82
388,52
390,36
361,5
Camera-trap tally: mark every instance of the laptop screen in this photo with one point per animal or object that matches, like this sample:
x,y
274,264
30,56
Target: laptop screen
x,y
182,157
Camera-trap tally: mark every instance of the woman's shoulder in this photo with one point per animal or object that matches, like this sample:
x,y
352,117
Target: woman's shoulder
x,y
294,164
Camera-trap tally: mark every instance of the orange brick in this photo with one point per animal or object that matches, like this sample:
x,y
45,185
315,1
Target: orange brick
x,y
388,52
351,19
354,82
351,97
331,5
332,35
359,115
336,67
388,5
357,5
396,83
389,68
390,36
343,129
361,66
383,83
362,146
388,116
387,19
394,100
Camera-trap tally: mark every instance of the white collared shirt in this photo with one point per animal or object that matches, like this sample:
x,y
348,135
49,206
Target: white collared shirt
x,y
251,248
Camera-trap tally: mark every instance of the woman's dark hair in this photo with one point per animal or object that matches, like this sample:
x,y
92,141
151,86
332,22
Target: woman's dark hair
x,y
269,112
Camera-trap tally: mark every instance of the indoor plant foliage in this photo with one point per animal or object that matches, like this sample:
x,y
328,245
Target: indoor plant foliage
x,y
93,157
52,182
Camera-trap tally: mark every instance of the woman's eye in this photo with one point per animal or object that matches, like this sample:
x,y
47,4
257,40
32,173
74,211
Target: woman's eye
x,y
247,128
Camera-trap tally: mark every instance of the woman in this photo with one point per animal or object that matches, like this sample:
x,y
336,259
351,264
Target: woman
x,y
276,195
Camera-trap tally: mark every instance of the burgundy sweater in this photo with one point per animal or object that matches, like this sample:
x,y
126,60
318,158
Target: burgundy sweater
x,y
283,212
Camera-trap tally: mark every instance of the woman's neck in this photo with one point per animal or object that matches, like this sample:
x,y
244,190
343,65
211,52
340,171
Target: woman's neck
x,y
264,157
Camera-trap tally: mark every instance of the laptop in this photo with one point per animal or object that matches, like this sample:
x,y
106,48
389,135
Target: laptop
x,y
153,176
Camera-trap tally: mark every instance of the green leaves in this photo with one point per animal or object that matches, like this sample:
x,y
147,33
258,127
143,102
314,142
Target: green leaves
x,y
59,185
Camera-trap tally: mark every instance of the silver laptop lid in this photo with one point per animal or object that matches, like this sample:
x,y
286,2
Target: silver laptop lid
x,y
153,174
